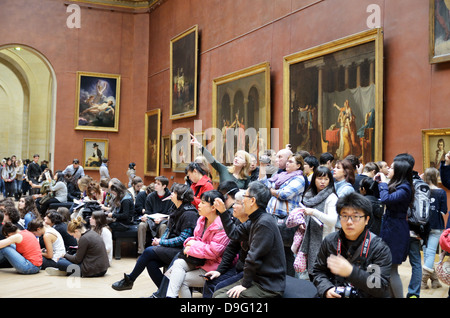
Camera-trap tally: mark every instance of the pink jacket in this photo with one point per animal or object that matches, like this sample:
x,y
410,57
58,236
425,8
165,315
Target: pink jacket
x,y
210,245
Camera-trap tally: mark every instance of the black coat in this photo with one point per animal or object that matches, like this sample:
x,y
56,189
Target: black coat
x,y
378,256
265,263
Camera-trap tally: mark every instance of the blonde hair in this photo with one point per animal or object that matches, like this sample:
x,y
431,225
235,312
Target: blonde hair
x,y
244,173
76,224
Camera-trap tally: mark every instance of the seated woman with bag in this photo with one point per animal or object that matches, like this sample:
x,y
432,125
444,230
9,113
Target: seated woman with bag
x,y
202,252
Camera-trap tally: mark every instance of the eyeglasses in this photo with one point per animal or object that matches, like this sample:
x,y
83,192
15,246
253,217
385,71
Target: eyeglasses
x,y
247,196
354,218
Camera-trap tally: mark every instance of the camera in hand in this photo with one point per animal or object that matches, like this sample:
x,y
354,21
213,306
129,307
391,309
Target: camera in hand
x,y
264,159
346,292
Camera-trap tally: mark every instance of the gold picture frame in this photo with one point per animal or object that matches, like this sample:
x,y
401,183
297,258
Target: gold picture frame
x,y
435,144
241,112
183,74
181,149
439,31
323,111
94,151
166,147
152,142
97,102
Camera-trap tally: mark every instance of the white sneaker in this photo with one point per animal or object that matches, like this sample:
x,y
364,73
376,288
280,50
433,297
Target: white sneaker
x,y
52,271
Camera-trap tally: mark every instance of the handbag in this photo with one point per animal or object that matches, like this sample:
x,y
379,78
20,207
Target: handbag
x,y
45,198
443,269
191,259
287,233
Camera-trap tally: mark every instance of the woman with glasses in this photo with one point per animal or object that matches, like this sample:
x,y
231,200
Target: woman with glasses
x,y
397,195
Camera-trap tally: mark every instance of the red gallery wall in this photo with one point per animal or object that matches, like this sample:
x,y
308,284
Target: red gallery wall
x,y
233,35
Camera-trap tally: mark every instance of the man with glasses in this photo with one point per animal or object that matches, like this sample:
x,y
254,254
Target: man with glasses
x,y
264,270
353,262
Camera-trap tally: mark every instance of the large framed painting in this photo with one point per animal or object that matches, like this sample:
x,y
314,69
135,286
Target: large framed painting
x,y
333,97
181,149
183,74
94,151
436,144
439,38
98,99
241,112
152,142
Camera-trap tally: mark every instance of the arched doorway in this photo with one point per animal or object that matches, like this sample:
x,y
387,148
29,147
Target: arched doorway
x,y
27,103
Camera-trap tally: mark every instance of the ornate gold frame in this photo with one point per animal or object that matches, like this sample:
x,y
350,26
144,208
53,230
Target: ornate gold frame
x,y
156,156
173,42
373,35
115,128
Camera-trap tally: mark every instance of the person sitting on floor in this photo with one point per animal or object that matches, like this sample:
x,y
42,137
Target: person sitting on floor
x,y
90,260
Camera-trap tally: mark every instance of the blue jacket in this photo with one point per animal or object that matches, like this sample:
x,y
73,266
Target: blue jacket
x,y
445,178
394,227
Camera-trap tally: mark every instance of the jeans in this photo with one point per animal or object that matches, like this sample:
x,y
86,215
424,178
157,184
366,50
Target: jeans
x,y
71,269
20,263
150,260
416,267
429,252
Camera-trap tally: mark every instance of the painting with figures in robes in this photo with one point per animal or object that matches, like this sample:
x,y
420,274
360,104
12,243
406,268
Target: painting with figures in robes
x,y
333,98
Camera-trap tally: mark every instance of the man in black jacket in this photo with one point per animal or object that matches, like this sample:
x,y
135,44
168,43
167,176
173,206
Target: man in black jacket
x,y
156,202
33,173
264,274
353,262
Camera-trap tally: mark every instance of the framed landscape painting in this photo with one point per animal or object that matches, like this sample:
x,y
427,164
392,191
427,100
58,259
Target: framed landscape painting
x,y
98,99
333,97
183,74
152,142
94,150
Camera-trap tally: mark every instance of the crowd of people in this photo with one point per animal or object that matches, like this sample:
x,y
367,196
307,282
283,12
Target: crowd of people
x,y
340,226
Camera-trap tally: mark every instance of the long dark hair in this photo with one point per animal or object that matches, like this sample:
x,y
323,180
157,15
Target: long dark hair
x,y
100,221
118,187
321,171
60,176
30,206
402,173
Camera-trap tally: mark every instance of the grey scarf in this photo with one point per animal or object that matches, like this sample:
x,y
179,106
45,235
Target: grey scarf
x,y
313,234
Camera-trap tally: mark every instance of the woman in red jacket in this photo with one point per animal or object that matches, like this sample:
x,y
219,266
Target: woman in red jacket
x,y
200,181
